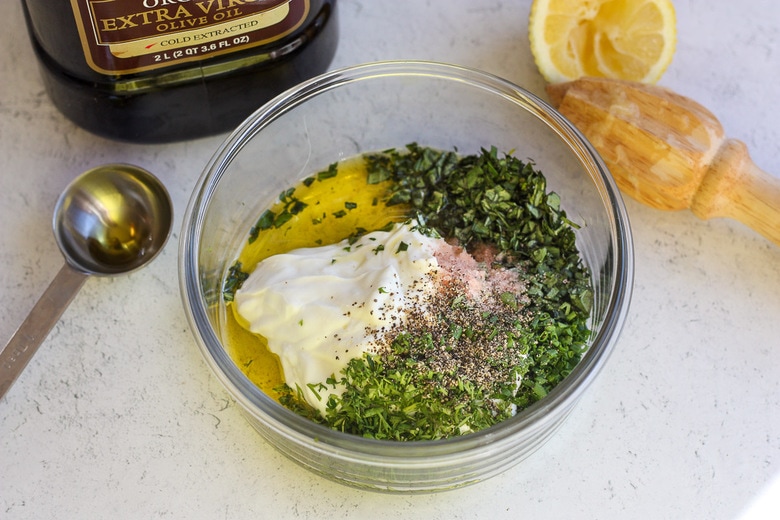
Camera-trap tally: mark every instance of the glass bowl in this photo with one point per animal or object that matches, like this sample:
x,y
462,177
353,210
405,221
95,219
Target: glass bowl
x,y
375,107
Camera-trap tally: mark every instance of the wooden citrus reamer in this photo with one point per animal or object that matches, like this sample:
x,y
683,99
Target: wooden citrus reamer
x,y
669,152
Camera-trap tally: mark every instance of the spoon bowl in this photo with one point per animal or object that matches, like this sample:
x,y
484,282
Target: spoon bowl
x,y
110,220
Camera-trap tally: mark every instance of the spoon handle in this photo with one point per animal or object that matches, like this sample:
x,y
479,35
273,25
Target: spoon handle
x,y
29,336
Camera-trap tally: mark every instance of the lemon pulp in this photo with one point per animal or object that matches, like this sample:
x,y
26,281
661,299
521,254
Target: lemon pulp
x,y
620,39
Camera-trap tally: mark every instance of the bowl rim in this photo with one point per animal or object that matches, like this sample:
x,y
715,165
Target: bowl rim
x,y
275,416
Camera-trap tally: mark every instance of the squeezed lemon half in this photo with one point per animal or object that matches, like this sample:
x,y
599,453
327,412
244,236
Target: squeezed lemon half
x,y
621,39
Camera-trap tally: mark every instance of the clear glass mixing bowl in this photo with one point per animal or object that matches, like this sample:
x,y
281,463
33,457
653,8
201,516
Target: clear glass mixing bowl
x,y
374,107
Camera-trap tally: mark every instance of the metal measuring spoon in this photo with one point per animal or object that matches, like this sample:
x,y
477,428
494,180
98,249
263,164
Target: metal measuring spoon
x,y
110,220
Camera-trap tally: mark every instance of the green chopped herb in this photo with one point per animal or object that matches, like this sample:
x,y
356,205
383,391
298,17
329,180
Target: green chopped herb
x,y
269,219
331,172
286,194
235,278
509,299
266,221
282,218
296,206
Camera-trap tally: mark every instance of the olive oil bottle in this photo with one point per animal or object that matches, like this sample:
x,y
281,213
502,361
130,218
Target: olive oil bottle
x,y
154,71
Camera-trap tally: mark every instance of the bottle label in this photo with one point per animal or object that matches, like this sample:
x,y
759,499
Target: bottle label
x,y
127,36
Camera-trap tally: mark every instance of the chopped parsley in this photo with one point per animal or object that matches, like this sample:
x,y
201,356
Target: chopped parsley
x,y
291,206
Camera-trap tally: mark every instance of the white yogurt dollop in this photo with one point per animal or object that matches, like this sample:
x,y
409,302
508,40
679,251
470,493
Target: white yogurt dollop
x,y
320,307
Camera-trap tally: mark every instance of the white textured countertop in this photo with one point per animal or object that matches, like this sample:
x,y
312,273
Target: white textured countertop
x,y
117,416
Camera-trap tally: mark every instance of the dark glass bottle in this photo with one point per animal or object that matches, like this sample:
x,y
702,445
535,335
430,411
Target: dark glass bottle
x,y
156,71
